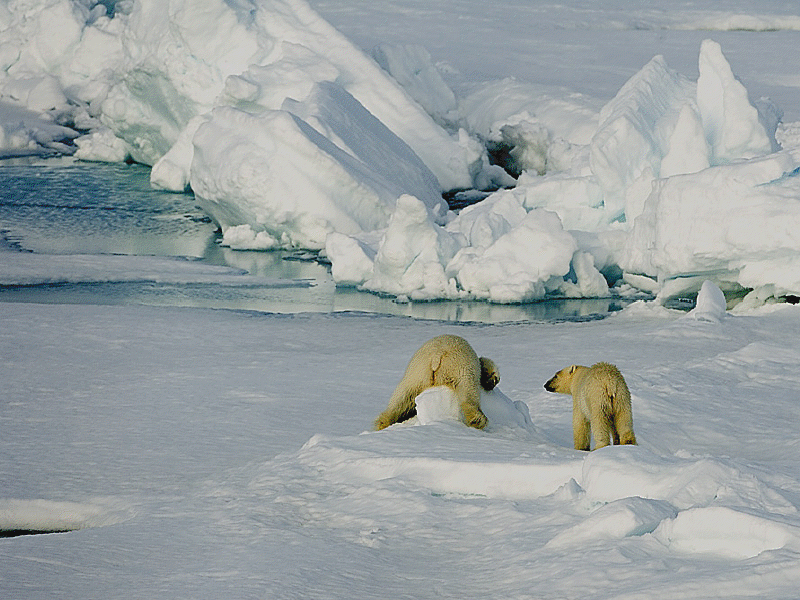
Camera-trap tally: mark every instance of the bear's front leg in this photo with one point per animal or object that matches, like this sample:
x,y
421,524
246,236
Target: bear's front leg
x,y
474,417
471,407
581,429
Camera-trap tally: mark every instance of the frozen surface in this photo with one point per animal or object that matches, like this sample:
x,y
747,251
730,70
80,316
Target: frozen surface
x,y
675,157
227,454
667,182
254,171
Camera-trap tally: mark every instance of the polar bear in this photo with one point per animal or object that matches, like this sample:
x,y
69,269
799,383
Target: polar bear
x,y
444,360
601,404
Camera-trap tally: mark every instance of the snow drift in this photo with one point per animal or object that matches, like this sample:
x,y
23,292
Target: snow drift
x,y
266,491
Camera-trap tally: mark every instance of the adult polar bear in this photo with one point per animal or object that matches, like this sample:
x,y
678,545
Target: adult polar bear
x,y
601,404
446,360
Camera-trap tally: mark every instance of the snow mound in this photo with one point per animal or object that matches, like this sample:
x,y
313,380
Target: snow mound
x,y
725,532
711,304
689,505
622,472
631,516
440,404
488,465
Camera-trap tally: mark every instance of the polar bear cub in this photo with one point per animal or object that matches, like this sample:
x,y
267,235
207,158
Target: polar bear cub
x,y
601,404
446,360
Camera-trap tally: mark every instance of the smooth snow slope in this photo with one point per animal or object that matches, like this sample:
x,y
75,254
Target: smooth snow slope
x,y
222,454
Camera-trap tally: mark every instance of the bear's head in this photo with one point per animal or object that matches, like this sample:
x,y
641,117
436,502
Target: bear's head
x,y
561,382
490,374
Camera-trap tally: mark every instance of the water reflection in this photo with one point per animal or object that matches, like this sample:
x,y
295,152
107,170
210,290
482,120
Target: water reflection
x,y
297,296
77,208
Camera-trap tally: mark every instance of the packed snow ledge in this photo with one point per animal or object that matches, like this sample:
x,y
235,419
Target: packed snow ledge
x,y
294,138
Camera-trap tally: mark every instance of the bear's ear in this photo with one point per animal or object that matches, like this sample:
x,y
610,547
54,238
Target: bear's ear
x,y
572,369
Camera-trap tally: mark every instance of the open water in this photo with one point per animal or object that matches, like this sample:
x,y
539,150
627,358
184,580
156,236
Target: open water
x,y
57,208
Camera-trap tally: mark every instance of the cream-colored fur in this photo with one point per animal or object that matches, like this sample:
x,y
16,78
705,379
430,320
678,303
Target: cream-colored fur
x,y
601,404
444,360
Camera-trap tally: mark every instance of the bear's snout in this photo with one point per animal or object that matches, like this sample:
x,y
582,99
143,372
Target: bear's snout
x,y
549,386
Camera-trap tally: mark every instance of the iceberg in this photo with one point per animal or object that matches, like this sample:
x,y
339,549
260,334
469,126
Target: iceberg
x,y
278,174
291,137
149,68
735,223
680,182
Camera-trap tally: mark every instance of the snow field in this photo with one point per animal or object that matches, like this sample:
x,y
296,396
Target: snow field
x,y
213,453
229,453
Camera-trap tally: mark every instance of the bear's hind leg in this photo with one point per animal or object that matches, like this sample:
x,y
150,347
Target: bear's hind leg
x,y
402,406
614,435
623,424
602,428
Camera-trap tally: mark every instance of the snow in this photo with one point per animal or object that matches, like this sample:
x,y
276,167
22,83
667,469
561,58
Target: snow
x,y
254,171
710,305
150,70
26,269
224,453
294,134
189,452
